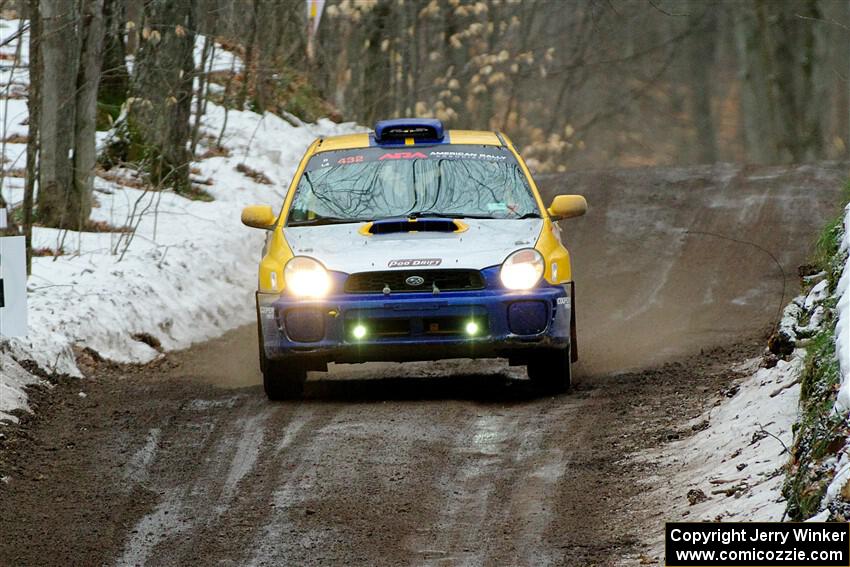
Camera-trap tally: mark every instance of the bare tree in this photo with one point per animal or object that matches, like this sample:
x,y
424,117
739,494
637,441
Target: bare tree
x,y
91,31
58,47
160,107
33,107
701,45
114,79
778,55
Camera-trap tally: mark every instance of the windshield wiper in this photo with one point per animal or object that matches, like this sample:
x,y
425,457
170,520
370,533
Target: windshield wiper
x,y
434,214
431,214
325,220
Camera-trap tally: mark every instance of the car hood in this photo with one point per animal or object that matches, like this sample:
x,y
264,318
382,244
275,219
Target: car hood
x,y
343,248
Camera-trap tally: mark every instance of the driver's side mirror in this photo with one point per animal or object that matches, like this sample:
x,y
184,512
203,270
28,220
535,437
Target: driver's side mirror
x,y
567,206
258,216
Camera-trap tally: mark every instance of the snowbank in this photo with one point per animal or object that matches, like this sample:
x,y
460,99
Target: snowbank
x,y
186,275
842,327
733,467
842,350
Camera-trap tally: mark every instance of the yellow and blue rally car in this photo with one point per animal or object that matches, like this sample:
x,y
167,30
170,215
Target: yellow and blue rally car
x,y
414,242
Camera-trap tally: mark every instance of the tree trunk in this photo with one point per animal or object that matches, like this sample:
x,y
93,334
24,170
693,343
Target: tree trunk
x,y
701,46
159,115
757,105
201,95
33,106
135,14
266,56
59,54
85,153
780,57
248,63
114,78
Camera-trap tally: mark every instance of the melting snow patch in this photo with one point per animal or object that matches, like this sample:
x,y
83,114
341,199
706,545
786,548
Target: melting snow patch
x,y
731,470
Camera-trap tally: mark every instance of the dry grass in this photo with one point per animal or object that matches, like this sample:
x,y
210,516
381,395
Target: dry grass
x,y
215,151
46,251
253,174
103,226
201,181
119,178
16,139
18,172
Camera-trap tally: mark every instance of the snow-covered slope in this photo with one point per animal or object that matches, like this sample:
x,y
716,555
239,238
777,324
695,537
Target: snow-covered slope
x,y
187,274
842,327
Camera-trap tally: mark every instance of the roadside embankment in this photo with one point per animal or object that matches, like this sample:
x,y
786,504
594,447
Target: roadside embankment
x,y
817,485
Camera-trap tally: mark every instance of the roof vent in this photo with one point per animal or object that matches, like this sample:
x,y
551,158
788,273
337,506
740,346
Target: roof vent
x,y
396,131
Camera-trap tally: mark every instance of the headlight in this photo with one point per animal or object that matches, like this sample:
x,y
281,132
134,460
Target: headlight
x,y
522,269
306,277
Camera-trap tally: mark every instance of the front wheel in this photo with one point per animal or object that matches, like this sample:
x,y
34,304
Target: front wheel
x,y
549,370
283,379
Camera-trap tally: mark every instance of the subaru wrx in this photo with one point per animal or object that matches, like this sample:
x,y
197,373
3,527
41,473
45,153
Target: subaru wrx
x,y
414,242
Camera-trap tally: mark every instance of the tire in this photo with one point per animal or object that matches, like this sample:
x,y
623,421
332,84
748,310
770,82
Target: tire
x,y
549,370
283,379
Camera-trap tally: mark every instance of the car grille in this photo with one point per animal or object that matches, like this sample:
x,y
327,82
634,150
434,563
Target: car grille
x,y
445,280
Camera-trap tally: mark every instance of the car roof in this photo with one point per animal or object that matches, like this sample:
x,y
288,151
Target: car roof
x,y
366,139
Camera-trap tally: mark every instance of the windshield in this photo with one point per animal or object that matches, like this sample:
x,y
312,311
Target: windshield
x,y
372,183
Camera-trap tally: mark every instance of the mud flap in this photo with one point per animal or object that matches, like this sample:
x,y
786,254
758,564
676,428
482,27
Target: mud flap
x,y
573,334
260,339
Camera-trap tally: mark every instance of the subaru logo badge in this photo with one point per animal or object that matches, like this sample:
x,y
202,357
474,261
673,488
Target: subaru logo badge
x,y
415,281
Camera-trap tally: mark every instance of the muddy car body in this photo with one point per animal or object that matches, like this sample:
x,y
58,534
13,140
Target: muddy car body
x,y
413,242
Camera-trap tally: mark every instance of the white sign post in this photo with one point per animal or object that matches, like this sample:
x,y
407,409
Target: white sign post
x,y
13,286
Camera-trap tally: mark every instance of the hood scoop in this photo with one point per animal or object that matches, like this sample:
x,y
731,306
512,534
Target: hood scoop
x,y
403,224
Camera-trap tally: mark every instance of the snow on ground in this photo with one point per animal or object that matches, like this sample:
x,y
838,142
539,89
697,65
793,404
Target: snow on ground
x,y
730,470
842,327
842,349
186,275
731,467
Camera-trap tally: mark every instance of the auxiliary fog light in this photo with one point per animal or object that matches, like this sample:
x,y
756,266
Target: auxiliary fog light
x,y
472,328
358,332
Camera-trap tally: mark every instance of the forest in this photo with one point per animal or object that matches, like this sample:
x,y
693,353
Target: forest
x,y
575,83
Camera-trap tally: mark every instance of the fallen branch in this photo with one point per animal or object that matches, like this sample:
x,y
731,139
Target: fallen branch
x,y
781,442
784,387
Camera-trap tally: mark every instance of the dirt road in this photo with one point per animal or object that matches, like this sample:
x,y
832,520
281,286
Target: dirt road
x,y
183,462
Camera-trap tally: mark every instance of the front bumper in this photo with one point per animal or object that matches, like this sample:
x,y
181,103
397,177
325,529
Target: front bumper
x,y
416,326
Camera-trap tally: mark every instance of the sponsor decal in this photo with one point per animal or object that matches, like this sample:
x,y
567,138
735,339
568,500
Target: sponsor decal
x,y
562,300
403,155
414,262
266,311
414,281
444,154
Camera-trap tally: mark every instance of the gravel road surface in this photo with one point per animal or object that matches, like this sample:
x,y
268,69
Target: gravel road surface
x,y
184,462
